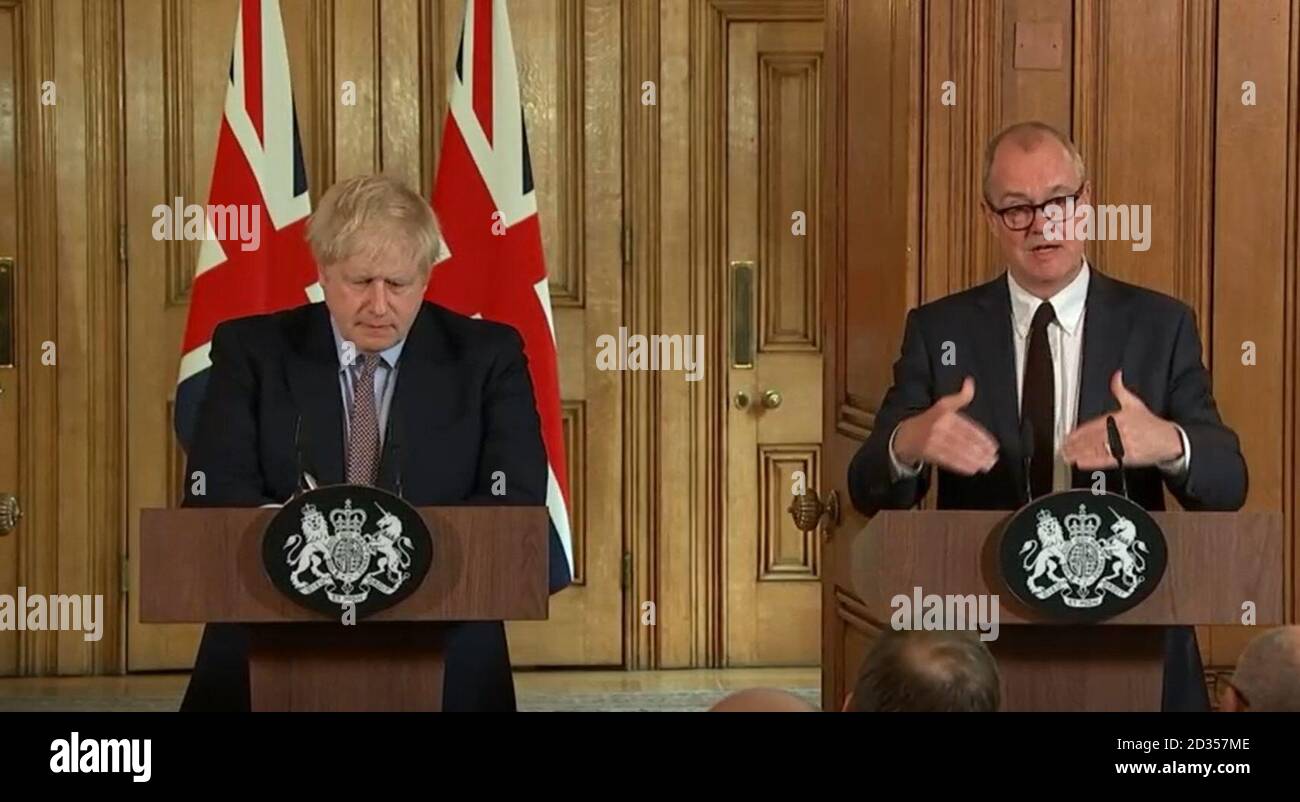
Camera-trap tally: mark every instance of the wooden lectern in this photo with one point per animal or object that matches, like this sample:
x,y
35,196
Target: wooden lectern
x,y
1218,561
205,565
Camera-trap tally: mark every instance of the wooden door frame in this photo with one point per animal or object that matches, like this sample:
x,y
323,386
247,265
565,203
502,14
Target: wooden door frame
x,y
78,139
675,434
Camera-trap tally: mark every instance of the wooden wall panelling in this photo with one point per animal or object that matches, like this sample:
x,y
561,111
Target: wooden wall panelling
x,y
13,111
401,130
642,160
1036,93
873,171
41,250
105,409
592,289
1290,267
570,67
68,289
1159,158
1254,259
962,44
358,129
693,288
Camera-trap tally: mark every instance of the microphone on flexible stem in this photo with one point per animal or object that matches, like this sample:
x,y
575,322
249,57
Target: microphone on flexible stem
x,y
1027,455
1117,451
299,482
391,439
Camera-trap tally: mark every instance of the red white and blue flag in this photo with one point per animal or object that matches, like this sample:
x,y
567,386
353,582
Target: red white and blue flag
x,y
259,165
492,265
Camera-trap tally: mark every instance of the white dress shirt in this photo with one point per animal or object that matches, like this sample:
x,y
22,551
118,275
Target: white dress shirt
x,y
1065,340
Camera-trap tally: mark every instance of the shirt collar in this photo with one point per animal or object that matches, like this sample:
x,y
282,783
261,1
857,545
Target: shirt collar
x,y
389,356
1068,303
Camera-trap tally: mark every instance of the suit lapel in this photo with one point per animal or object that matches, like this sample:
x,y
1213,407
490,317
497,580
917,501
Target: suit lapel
x,y
424,398
995,382
313,376
1106,325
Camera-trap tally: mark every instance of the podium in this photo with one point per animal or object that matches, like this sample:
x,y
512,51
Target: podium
x,y
1218,561
204,565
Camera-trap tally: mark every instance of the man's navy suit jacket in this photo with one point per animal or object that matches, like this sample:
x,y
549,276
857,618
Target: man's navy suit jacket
x,y
463,409
1151,336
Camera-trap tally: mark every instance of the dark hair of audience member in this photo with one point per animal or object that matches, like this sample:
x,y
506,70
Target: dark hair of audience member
x,y
925,671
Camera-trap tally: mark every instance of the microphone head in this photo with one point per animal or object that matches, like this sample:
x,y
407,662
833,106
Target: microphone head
x,y
1112,434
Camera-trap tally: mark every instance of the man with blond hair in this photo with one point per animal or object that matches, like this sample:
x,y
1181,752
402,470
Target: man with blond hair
x,y
343,383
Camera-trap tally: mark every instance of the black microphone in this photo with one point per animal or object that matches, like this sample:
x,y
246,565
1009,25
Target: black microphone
x,y
391,439
299,483
1027,455
1117,451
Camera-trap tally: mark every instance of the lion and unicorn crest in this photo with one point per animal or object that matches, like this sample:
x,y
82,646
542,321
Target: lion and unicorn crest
x,y
1075,563
341,562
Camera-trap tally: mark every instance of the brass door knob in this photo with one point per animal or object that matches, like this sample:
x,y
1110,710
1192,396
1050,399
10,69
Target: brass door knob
x,y
808,511
742,399
771,399
10,512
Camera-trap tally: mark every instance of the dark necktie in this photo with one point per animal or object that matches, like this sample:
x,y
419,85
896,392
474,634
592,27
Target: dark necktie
x,y
1038,401
363,423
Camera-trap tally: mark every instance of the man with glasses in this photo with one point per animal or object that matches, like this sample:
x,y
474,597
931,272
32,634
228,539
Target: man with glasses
x,y
1049,349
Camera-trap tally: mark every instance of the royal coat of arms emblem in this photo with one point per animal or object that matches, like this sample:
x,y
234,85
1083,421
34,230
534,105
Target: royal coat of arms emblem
x,y
1092,554
344,548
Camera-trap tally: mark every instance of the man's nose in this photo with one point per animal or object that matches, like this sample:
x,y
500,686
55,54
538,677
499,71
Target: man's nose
x,y
1039,222
377,297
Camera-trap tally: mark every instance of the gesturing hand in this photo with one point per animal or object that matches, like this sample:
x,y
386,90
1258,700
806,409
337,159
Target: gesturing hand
x,y
1148,439
942,435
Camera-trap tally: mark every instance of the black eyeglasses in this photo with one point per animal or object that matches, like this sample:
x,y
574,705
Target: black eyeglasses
x,y
1021,216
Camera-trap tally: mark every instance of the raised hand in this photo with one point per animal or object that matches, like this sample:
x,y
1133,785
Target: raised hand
x,y
1148,439
943,436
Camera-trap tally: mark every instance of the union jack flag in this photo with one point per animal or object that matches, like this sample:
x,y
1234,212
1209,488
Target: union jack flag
x,y
492,265
259,164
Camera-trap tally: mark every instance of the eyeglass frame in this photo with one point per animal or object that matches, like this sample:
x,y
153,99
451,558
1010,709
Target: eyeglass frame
x,y
1034,208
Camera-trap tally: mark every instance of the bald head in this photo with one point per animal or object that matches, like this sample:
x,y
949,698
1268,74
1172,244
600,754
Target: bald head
x,y
927,671
1268,674
762,700
1026,137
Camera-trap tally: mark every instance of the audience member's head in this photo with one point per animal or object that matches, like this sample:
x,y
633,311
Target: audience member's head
x,y
1267,678
923,671
762,700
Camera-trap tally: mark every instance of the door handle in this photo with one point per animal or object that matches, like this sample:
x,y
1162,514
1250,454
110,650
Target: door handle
x,y
809,512
10,512
771,399
8,316
742,315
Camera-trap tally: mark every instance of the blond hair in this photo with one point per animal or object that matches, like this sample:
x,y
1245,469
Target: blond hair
x,y
376,214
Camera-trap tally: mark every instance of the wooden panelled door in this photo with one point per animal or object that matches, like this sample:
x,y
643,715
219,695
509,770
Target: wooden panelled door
x,y
10,502
775,388
60,328
870,230
392,59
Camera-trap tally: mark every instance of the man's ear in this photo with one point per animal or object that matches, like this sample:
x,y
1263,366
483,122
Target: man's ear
x,y
1085,194
990,217
1230,701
